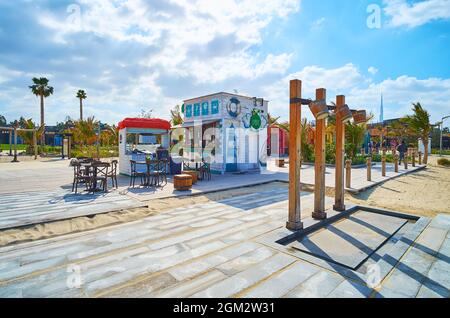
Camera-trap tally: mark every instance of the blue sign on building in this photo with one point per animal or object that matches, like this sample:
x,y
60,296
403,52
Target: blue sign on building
x,y
188,111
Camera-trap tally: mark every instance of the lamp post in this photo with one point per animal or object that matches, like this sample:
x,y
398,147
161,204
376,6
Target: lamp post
x,y
442,127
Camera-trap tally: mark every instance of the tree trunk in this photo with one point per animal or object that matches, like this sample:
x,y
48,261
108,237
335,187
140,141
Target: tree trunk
x,y
42,121
81,109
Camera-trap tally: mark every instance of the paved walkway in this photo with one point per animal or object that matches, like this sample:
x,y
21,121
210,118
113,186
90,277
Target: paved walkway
x,y
38,191
209,250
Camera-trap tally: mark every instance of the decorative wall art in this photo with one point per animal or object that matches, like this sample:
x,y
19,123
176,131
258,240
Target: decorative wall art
x,y
234,107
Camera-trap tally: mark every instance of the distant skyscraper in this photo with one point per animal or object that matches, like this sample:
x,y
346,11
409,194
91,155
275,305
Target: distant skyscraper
x,y
381,110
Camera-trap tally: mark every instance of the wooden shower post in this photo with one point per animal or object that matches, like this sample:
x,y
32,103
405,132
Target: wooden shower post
x,y
295,222
369,169
319,169
348,174
340,151
10,143
35,144
396,163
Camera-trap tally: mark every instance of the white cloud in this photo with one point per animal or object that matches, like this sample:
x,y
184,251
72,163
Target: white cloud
x,y
403,13
361,92
372,70
318,24
158,51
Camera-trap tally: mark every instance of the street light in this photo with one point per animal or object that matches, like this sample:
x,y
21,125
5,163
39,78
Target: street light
x,y
442,127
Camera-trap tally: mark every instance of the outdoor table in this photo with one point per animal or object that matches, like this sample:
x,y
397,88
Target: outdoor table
x,y
89,166
148,163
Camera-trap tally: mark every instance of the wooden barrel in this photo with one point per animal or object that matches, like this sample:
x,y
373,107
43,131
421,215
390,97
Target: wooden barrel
x,y
193,174
182,182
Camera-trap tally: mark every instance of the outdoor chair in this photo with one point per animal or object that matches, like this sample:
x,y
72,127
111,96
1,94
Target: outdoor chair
x,y
156,171
80,176
163,166
135,174
112,173
205,171
100,174
186,166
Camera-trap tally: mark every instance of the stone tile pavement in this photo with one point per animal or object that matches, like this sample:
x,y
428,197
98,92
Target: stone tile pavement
x,y
210,250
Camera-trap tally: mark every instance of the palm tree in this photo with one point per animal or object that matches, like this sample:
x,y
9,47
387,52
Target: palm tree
x,y
177,119
41,89
81,94
84,132
419,123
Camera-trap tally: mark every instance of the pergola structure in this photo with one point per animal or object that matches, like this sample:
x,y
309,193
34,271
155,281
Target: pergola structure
x,y
15,129
321,111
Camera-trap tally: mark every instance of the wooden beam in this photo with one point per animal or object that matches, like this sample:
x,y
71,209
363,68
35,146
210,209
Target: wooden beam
x,y
10,142
35,145
15,146
340,152
320,168
294,221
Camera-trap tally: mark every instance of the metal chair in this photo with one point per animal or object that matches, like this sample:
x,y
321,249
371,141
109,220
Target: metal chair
x,y
205,171
80,176
135,174
112,173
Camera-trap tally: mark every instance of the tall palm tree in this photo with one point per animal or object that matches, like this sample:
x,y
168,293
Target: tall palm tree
x,y
41,89
419,122
81,94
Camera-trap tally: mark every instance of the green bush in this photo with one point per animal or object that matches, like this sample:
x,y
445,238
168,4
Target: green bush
x,y
437,152
91,151
5,147
444,162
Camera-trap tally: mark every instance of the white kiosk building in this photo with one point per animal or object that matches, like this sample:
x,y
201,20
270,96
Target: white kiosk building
x,y
227,130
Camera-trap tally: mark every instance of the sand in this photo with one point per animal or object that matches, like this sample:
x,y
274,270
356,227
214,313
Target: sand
x,y
424,193
156,206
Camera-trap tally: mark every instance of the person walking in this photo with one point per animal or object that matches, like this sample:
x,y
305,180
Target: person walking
x,y
402,150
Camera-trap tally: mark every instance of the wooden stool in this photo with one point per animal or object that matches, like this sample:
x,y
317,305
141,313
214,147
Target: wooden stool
x,y
280,163
182,182
193,174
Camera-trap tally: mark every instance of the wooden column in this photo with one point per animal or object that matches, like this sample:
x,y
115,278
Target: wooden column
x,y
35,144
369,169
396,163
295,222
15,145
348,174
10,143
406,162
340,151
420,158
383,166
320,168
414,158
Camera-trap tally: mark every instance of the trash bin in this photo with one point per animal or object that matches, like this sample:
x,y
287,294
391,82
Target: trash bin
x,y
175,165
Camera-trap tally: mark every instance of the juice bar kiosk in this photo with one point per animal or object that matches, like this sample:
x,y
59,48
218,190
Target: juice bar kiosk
x,y
139,139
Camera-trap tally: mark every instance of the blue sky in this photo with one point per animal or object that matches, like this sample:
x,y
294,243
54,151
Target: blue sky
x,y
132,55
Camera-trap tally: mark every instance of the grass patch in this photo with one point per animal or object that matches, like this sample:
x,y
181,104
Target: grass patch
x,y
444,162
5,147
